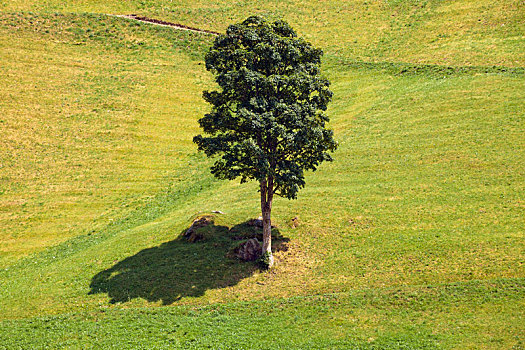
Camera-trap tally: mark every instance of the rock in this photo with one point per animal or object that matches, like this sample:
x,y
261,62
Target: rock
x,y
257,222
249,250
191,233
295,222
194,237
217,212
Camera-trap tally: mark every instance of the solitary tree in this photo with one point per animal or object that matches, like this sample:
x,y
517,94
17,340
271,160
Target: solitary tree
x,y
267,121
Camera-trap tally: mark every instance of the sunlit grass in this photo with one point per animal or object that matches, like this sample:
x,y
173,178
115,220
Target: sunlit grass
x,y
87,124
98,168
398,318
455,32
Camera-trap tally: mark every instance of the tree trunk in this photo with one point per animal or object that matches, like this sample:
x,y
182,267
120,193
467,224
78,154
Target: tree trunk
x,y
266,209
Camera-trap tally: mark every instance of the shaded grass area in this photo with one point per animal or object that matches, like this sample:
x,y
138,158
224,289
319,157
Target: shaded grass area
x,y
178,268
82,256
432,317
173,270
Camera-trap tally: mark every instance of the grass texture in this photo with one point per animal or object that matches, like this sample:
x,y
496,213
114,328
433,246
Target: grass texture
x,y
412,238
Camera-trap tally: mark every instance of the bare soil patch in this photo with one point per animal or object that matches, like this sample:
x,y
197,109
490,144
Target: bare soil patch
x,y
167,24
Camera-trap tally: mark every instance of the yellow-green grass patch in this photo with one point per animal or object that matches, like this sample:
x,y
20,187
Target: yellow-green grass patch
x,y
455,32
89,127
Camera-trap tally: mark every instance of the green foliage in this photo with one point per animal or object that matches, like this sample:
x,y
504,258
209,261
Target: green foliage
x,y
267,120
264,261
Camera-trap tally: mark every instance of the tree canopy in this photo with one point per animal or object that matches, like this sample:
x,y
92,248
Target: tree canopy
x,y
267,121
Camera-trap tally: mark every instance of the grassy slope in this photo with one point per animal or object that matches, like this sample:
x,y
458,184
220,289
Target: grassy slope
x,y
460,32
400,318
427,190
80,112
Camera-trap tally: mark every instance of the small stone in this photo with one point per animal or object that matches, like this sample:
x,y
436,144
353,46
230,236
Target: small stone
x,y
191,233
295,222
249,250
256,222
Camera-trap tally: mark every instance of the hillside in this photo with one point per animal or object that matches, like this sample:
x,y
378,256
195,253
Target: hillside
x,y
412,238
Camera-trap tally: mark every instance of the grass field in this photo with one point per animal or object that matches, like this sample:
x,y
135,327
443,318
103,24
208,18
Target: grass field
x,y
412,238
466,32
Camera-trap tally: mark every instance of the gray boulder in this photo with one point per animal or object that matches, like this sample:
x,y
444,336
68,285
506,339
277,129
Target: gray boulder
x,y
249,250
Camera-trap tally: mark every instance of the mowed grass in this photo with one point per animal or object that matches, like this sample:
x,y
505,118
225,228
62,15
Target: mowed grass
x,y
412,238
398,318
87,124
458,32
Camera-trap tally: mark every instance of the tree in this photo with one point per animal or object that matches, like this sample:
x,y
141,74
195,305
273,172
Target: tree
x,y
267,121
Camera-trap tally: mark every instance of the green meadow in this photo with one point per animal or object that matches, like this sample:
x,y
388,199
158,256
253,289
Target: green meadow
x,y
413,238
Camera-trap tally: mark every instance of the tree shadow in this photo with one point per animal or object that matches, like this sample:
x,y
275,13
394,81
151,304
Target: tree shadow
x,y
178,268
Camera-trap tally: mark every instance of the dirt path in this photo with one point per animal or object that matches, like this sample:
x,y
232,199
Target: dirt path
x,y
167,24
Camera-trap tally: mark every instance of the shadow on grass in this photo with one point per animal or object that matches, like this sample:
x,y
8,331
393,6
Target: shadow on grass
x,y
178,268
